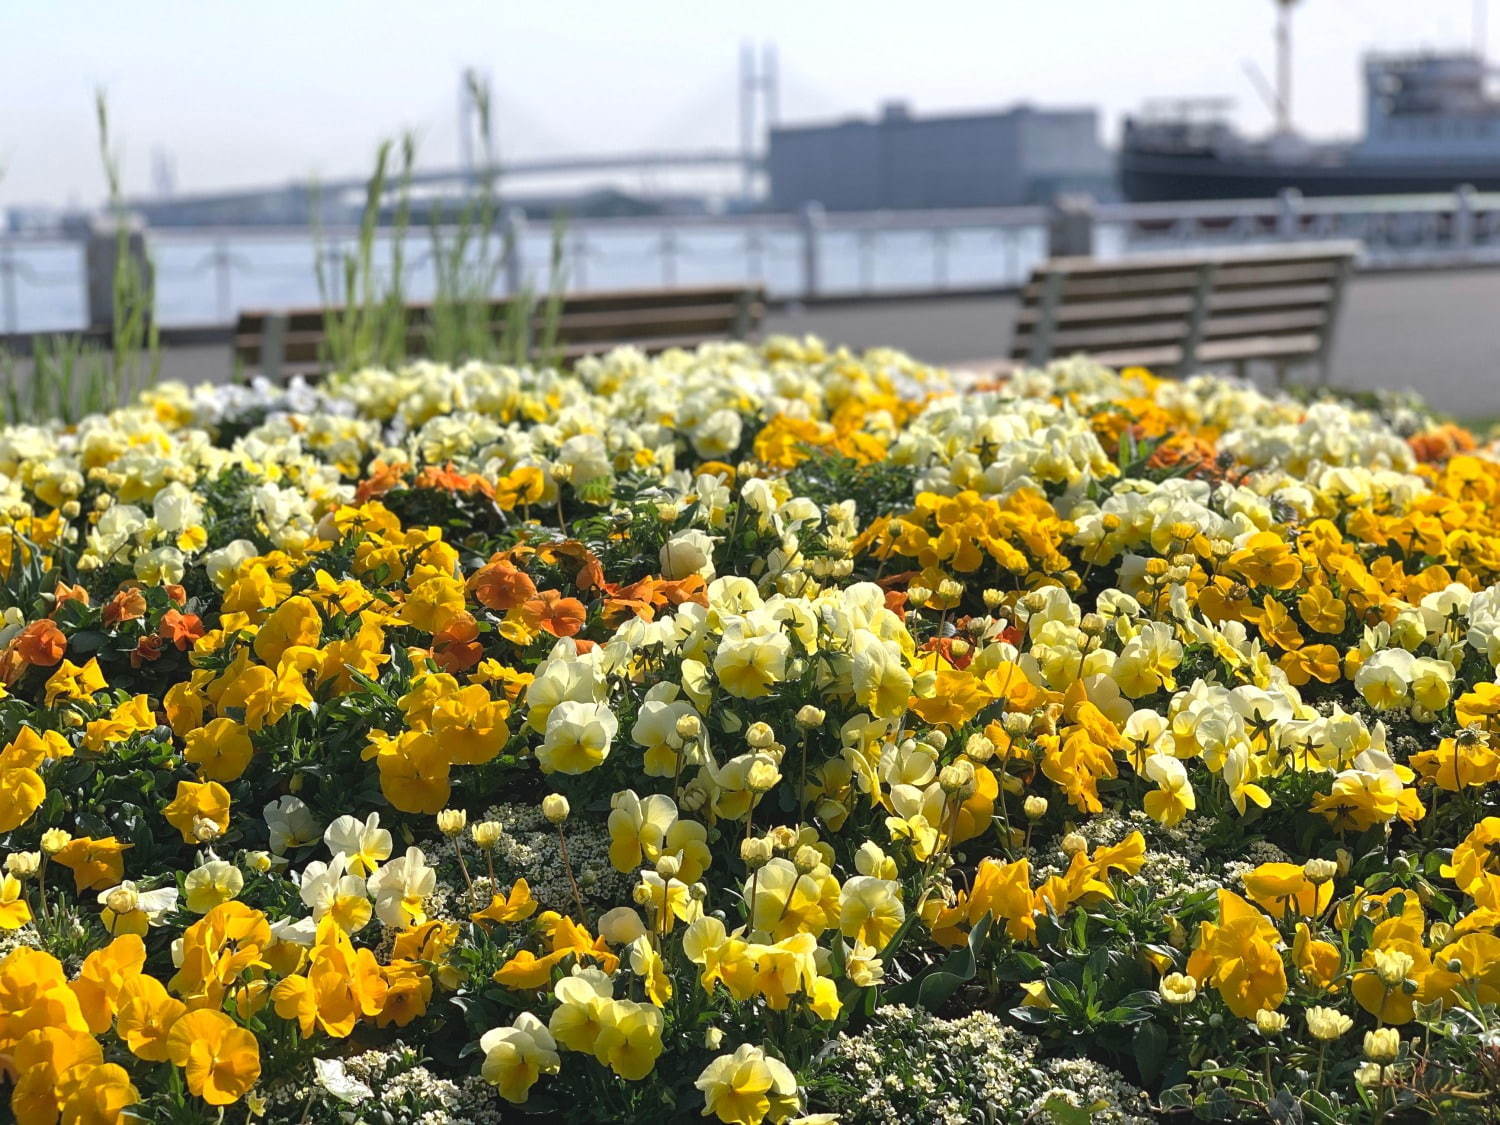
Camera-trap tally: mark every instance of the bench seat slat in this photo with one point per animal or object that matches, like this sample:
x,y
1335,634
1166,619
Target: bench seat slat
x,y
1129,312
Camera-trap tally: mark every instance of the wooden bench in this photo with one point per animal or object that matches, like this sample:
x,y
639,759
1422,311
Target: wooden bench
x,y
1184,313
281,344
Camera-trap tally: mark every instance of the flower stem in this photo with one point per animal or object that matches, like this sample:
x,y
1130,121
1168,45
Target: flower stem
x,y
568,867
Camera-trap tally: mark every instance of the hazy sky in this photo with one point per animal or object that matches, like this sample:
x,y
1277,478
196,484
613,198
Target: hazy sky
x,y
260,92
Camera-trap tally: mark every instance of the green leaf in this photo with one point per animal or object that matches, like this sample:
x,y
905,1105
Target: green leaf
x,y
933,987
1150,1050
1177,1097
87,642
1060,1111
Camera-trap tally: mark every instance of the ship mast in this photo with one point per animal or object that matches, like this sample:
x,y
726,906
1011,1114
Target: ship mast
x,y
1284,65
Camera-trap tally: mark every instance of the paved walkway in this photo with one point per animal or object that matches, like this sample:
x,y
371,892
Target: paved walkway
x,y
1437,333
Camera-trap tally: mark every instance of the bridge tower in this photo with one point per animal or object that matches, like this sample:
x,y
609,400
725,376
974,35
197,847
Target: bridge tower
x,y
760,106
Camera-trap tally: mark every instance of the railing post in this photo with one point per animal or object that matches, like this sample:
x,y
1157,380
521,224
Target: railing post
x,y
1070,227
812,223
222,280
1289,213
866,261
515,264
1463,218
580,263
755,246
1197,318
8,267
668,257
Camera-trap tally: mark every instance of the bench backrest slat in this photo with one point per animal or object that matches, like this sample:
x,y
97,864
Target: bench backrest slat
x,y
586,323
1271,303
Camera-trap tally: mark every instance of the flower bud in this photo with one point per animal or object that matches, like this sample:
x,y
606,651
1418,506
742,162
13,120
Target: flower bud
x,y
762,775
486,835
712,1038
755,852
759,736
979,748
1382,1045
668,866
452,822
206,830
957,780
1269,1023
694,796
1327,1023
688,726
1392,966
23,865
1320,871
124,899
555,808
806,858
258,862
1178,989
810,717
54,840
1034,807
1073,843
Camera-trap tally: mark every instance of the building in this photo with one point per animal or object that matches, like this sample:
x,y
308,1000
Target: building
x,y
900,161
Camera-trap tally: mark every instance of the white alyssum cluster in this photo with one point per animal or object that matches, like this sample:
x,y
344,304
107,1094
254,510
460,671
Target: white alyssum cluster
x,y
528,850
389,1086
909,1065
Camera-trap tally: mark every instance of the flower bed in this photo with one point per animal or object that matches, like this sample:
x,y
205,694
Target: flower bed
x,y
758,733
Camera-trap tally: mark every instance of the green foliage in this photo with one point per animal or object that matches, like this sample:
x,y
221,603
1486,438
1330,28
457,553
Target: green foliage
x,y
368,327
72,376
877,489
366,318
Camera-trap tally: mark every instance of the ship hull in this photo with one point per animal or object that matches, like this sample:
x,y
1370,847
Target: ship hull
x,y
1151,177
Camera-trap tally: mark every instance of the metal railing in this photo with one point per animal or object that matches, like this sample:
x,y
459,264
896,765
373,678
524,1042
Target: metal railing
x,y
206,275
1402,231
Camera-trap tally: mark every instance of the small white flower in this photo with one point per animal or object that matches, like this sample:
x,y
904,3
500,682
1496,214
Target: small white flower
x,y
332,1076
291,823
